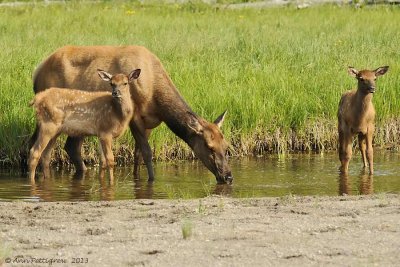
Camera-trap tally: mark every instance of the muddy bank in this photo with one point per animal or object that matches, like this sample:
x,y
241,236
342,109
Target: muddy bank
x,y
345,231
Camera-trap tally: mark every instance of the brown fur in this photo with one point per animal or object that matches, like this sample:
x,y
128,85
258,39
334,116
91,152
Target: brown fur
x,y
81,113
356,116
156,100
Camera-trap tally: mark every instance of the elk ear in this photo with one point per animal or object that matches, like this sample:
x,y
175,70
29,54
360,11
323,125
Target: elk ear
x,y
220,120
352,71
105,76
195,125
134,75
381,70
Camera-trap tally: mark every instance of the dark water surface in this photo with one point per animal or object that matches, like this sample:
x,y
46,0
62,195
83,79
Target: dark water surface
x,y
298,174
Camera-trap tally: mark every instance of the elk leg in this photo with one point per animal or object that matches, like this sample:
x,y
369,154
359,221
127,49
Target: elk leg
x,y
345,151
25,153
341,150
370,151
36,152
138,156
139,133
106,143
46,156
103,163
363,147
73,147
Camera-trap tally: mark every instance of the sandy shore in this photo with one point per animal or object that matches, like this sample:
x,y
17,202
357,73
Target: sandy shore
x,y
215,231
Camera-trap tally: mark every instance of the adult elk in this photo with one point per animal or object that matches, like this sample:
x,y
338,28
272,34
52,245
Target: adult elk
x,y
80,113
156,100
356,116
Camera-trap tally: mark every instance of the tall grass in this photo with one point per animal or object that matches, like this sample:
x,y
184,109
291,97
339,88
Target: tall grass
x,y
279,72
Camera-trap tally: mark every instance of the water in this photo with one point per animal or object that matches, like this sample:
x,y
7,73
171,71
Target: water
x,y
296,174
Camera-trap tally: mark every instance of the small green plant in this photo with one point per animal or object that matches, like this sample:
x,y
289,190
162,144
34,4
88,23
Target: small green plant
x,y
184,194
206,189
201,208
170,191
187,229
221,204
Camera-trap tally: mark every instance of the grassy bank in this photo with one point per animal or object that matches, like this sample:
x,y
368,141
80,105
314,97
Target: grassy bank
x,y
279,72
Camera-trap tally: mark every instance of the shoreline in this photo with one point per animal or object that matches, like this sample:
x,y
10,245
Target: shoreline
x,y
318,137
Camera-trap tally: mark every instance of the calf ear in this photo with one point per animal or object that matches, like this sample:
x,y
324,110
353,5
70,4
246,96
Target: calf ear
x,y
381,70
134,74
352,71
220,120
105,76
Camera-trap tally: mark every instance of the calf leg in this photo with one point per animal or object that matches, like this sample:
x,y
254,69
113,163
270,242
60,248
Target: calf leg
x,y
24,152
73,147
363,148
46,156
370,152
106,143
345,151
103,162
139,133
36,151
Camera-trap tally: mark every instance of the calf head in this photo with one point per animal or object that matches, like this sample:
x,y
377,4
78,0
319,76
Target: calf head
x,y
118,82
210,147
367,78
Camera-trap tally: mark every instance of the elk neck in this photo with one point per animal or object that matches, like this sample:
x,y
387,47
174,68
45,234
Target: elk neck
x,y
123,103
176,113
362,100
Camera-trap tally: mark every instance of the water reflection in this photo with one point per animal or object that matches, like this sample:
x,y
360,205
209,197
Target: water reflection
x,y
43,189
276,176
365,184
142,189
223,190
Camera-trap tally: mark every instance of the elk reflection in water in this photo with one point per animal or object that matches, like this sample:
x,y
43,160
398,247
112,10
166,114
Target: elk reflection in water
x,y
301,175
365,184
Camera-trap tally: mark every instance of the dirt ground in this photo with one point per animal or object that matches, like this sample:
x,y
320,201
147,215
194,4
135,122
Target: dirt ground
x,y
214,231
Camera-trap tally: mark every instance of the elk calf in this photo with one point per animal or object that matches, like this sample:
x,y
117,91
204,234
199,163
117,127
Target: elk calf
x,y
356,116
81,113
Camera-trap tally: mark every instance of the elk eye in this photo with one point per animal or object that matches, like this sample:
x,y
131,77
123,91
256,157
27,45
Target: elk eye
x,y
125,84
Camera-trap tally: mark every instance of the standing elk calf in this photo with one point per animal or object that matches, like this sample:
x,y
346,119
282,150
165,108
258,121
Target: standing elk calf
x,y
81,113
356,116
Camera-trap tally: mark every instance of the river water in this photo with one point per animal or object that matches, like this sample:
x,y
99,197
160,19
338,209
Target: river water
x,y
291,174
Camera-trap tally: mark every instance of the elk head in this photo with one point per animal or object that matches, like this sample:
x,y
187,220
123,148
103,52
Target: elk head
x,y
209,145
366,78
119,81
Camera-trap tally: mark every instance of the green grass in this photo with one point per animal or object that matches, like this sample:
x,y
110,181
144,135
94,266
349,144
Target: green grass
x,y
279,72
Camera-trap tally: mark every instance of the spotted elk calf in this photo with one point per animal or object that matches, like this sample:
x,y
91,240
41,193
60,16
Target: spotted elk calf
x,y
80,113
